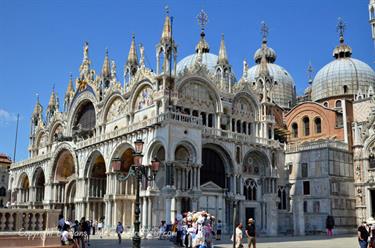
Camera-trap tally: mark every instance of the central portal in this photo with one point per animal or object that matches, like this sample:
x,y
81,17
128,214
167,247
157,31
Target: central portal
x,y
250,213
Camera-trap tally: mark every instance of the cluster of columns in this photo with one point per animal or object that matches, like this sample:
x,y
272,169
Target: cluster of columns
x,y
97,187
58,192
186,178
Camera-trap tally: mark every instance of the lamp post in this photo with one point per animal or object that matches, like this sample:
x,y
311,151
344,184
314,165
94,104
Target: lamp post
x,y
138,171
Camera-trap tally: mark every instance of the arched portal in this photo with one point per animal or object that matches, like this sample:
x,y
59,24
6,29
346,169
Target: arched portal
x,y
124,191
39,182
63,174
213,169
97,181
69,203
24,188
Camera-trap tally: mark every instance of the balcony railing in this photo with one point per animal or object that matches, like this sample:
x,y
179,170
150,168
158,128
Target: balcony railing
x,y
317,145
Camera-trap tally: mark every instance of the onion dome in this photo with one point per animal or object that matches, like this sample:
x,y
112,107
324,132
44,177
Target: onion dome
x,y
283,91
344,76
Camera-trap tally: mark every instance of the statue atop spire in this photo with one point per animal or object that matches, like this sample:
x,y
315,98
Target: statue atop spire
x,y
69,93
53,105
84,69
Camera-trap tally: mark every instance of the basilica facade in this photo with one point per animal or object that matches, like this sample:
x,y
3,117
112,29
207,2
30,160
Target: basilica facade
x,y
286,161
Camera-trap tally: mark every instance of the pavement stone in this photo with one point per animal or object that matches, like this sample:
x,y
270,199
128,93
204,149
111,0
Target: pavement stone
x,y
262,242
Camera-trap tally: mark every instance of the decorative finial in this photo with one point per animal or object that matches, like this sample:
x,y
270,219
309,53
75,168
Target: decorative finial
x,y
166,8
86,50
37,97
264,31
106,51
202,18
53,88
341,26
310,71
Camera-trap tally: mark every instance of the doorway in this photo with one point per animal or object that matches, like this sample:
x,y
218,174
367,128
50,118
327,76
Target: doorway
x,y
250,213
372,196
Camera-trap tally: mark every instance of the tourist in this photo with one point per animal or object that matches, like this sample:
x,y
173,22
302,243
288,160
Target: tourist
x,y
94,225
100,227
363,235
219,226
372,239
60,222
67,236
162,229
250,233
119,230
238,241
330,224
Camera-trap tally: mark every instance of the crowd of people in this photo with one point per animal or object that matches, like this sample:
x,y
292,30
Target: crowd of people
x,y
77,233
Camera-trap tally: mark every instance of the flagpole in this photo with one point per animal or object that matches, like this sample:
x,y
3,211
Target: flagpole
x,y
15,141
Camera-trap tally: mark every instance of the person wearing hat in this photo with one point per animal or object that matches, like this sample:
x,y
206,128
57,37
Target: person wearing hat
x,y
250,233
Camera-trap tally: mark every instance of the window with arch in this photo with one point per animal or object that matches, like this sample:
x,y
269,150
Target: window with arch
x,y
318,125
338,104
372,161
250,190
281,193
294,130
306,125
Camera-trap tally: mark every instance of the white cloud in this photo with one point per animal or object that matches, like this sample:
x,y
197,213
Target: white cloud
x,y
6,117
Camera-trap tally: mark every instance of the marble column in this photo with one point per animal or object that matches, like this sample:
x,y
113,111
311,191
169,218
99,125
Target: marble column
x,y
144,212
168,217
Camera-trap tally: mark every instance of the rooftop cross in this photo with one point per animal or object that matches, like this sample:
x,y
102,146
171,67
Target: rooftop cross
x,y
202,19
264,30
310,71
341,26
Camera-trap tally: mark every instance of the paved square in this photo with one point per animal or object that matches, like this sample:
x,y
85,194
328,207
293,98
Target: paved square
x,y
278,242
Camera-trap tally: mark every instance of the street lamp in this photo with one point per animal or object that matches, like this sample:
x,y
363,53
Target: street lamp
x,y
138,171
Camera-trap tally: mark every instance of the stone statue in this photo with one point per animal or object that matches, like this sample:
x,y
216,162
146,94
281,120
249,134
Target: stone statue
x,y
113,69
142,52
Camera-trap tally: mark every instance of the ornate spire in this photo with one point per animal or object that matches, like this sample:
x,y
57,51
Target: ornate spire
x,y
202,45
84,69
223,58
132,57
38,109
70,89
342,50
52,99
167,28
106,71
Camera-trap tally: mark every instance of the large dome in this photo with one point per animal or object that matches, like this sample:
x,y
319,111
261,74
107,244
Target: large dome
x,y
208,59
284,90
343,76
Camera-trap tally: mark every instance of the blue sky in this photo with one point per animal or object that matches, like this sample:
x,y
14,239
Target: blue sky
x,y
41,41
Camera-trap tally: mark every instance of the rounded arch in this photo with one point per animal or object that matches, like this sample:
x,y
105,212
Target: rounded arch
x,y
57,127
124,151
108,102
86,96
153,148
38,173
256,163
24,182
62,147
248,97
95,165
41,139
136,90
216,164
190,148
204,83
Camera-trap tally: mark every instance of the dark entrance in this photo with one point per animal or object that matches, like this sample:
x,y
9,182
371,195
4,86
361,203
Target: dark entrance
x,y
250,213
372,195
185,205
